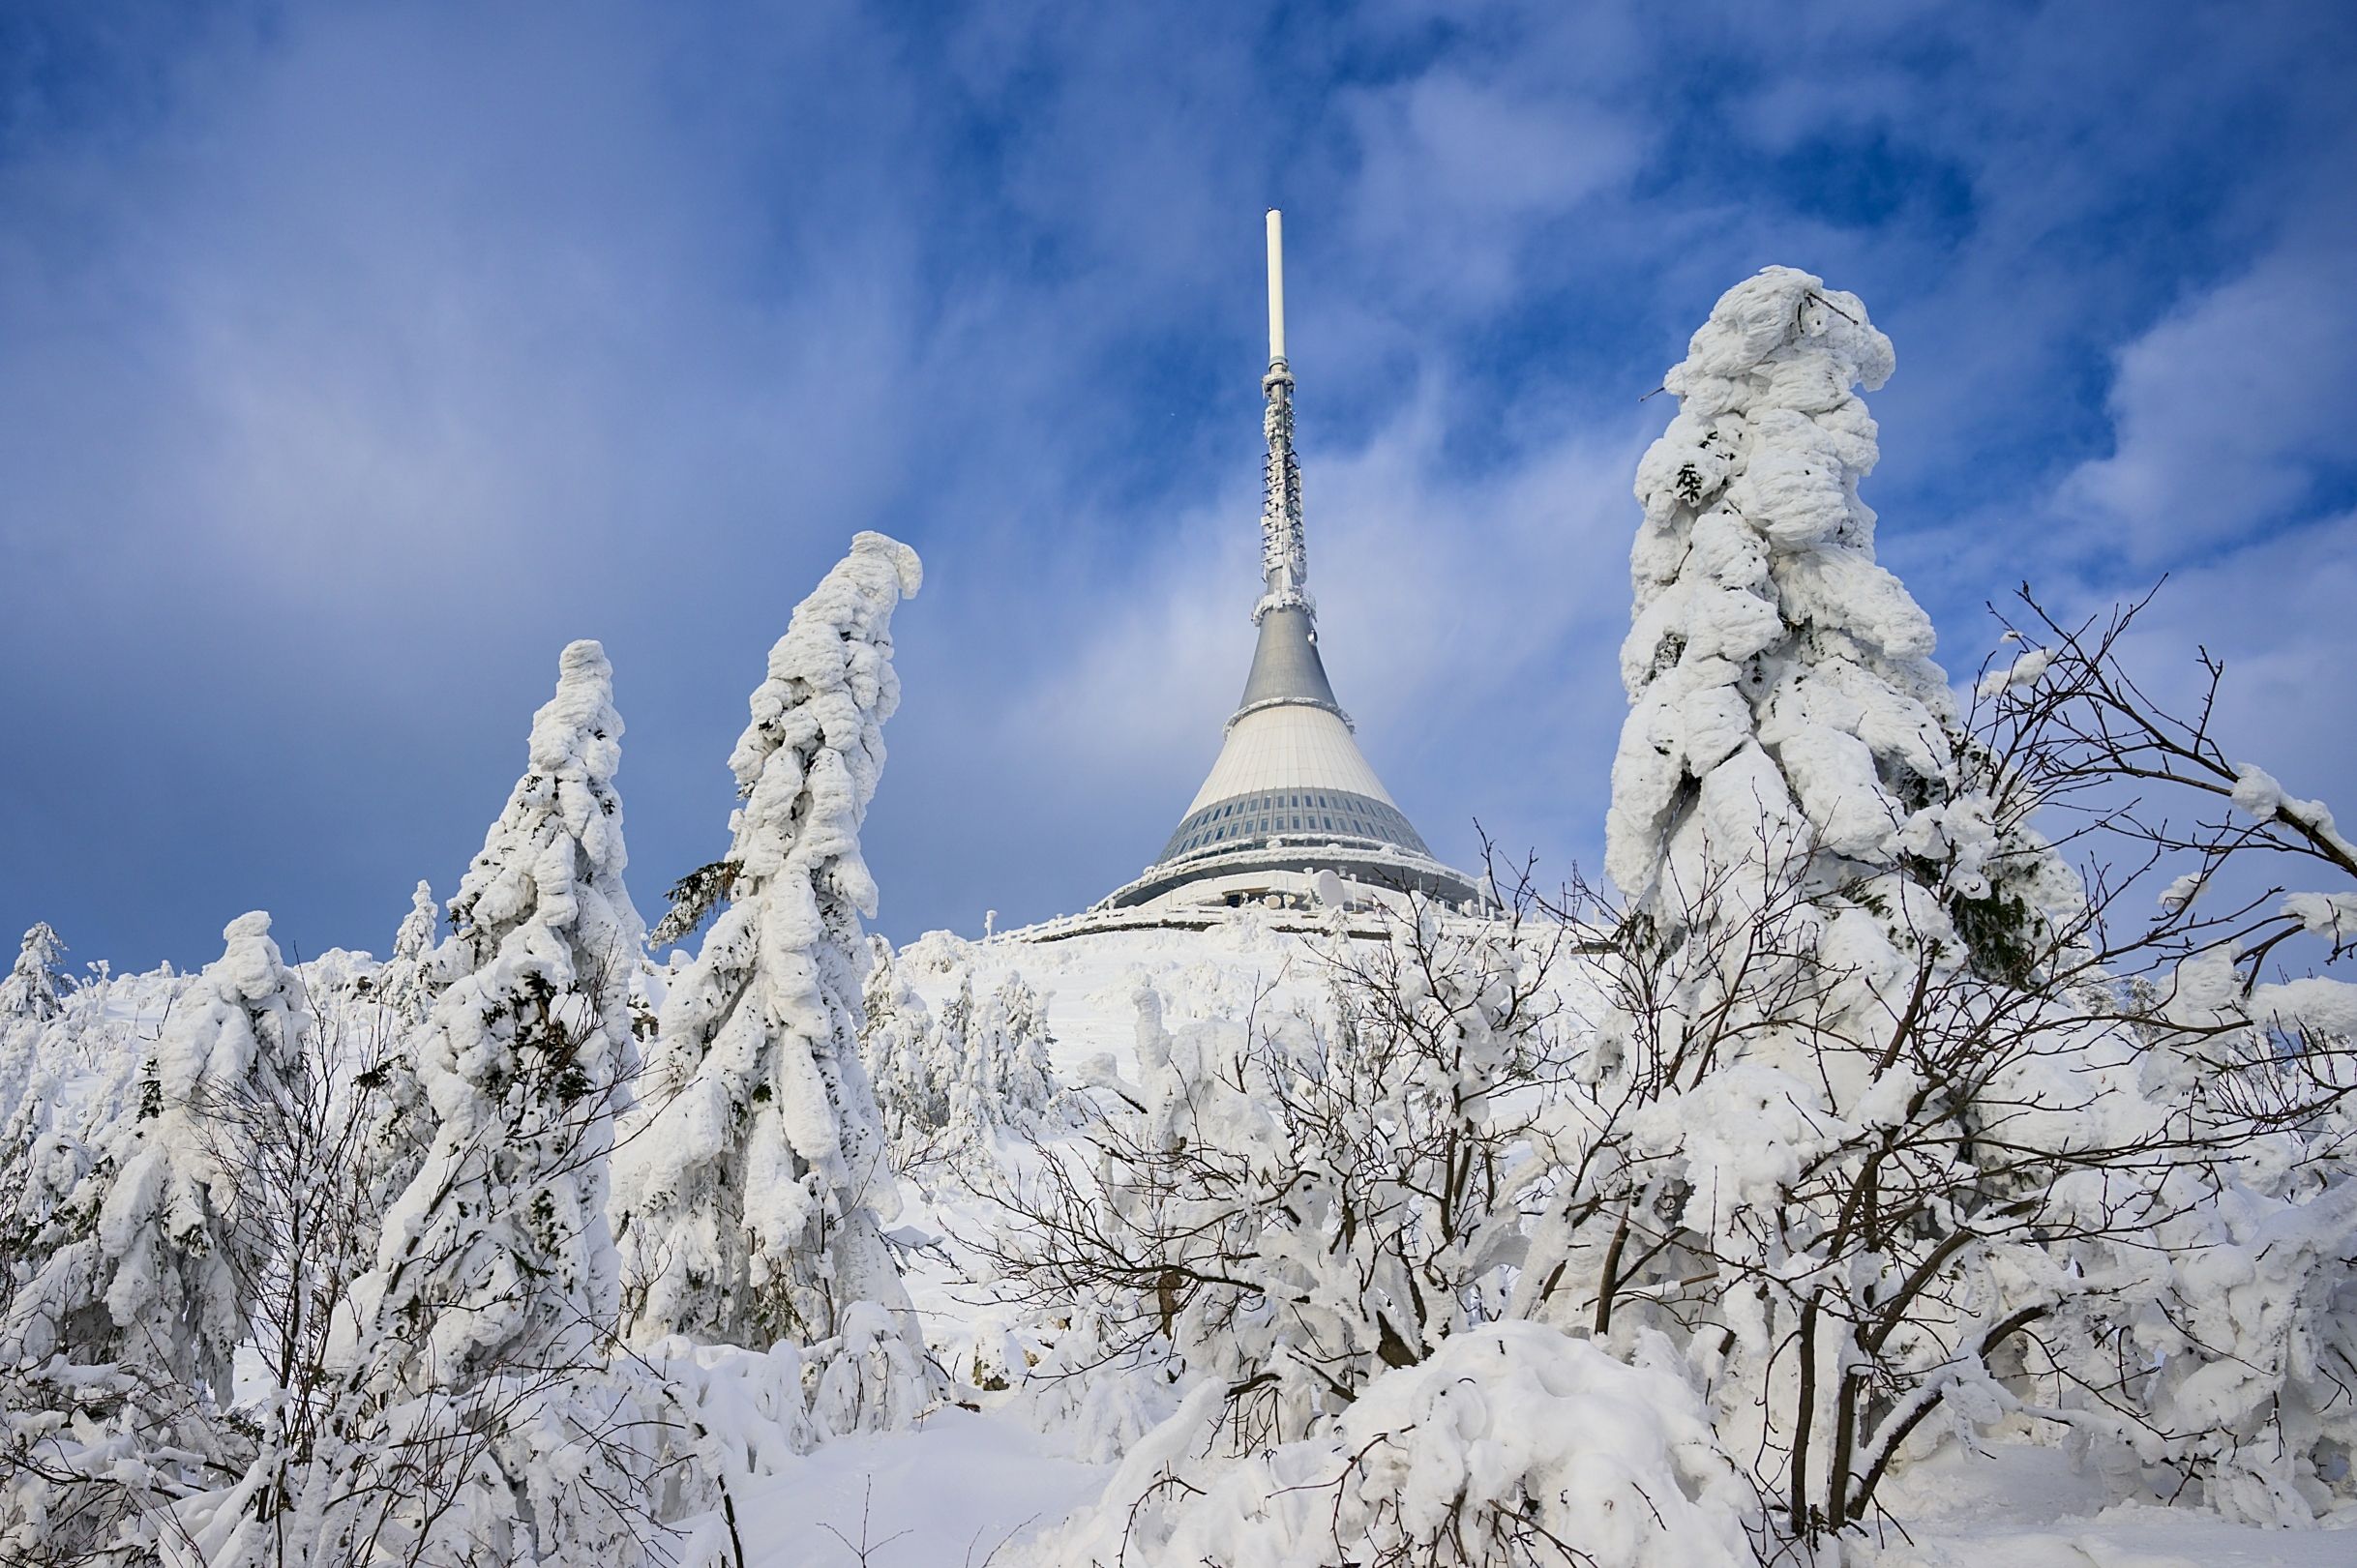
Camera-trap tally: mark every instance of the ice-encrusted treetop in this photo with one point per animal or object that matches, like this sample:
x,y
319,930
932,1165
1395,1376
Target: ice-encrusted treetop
x,y
1780,683
817,723
245,1010
530,871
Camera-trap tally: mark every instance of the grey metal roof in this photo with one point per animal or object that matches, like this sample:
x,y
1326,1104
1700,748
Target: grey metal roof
x,y
1285,665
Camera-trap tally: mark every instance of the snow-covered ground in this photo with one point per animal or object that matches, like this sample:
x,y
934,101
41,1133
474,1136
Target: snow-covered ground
x,y
965,1486
1090,984
950,1495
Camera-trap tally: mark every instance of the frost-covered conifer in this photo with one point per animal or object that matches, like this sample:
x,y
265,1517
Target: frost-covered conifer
x,y
166,1257
1787,720
753,1200
1876,1105
499,1253
405,985
30,990
1002,1081
894,1046
393,1122
950,1084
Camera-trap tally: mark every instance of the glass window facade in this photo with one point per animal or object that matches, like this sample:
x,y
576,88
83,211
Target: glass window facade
x,y
1231,824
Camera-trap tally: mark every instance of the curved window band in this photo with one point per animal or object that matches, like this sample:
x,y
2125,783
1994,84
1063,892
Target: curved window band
x,y
1243,819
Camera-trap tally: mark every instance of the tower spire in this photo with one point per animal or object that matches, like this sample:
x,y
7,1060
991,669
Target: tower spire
x,y
1290,797
1283,551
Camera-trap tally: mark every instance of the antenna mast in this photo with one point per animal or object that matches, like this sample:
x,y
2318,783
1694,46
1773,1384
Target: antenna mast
x,y
1283,551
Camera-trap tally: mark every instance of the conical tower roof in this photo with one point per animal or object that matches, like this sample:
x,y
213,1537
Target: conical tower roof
x,y
1291,794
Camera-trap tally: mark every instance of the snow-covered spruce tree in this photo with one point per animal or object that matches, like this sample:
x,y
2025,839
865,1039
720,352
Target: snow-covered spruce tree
x,y
1785,712
952,1087
396,1119
30,1010
754,1191
30,990
1886,1125
71,1434
472,1413
141,1263
896,1046
1802,853
1007,1082
407,984
180,1270
499,1253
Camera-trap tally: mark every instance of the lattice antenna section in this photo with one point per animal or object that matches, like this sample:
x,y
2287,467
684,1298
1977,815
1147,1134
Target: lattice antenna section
x,y
1284,548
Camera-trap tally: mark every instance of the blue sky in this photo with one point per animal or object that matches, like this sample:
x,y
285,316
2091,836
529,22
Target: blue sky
x,y
354,358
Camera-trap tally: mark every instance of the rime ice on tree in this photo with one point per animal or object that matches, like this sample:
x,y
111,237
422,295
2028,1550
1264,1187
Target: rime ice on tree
x,y
499,1250
405,984
1785,709
167,1260
30,990
752,1198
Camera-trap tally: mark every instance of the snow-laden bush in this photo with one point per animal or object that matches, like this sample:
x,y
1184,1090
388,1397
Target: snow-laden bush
x,y
1295,1202
1513,1444
755,1185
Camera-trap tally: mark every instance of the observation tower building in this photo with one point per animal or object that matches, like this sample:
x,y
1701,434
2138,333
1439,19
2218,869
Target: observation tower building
x,y
1291,814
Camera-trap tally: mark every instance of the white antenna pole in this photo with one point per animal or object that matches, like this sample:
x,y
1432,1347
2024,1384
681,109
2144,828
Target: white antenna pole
x,y
1277,287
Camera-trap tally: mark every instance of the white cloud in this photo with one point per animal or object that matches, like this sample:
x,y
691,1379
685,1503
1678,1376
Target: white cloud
x,y
2224,412
1456,174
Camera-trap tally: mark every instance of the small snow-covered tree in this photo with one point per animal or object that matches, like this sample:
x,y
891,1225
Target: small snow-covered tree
x,y
406,986
953,1086
30,990
135,1255
897,1046
179,1268
397,1120
754,1191
1008,1081
30,1009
